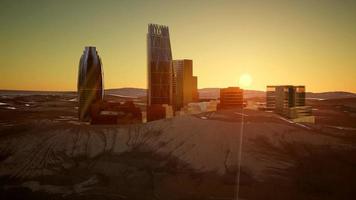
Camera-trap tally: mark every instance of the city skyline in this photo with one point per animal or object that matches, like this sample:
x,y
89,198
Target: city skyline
x,y
313,44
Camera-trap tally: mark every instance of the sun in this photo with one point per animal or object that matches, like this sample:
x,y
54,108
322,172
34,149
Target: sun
x,y
245,80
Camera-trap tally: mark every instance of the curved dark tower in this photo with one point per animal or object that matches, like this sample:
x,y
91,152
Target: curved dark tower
x,y
90,82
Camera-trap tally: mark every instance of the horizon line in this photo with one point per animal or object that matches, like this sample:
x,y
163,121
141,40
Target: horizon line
x,y
20,90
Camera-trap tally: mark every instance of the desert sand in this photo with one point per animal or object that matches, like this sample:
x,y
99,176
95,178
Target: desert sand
x,y
45,153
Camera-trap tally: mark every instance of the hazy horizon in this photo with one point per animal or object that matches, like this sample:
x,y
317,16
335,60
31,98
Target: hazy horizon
x,y
146,89
311,43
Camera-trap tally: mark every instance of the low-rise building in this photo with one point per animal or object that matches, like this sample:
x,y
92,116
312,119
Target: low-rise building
x,y
289,101
231,97
106,112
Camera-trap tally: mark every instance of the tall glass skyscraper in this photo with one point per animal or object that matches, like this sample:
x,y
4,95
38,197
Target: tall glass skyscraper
x,y
159,60
90,82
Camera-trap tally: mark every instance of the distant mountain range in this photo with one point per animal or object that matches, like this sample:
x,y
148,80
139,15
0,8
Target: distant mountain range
x,y
205,93
130,92
331,95
214,93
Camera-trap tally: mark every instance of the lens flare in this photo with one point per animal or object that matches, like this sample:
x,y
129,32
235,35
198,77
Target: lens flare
x,y
245,80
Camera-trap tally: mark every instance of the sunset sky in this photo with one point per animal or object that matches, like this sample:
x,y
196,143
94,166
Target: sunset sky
x,y
311,43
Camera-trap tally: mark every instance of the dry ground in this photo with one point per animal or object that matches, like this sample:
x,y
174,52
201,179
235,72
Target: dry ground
x,y
46,154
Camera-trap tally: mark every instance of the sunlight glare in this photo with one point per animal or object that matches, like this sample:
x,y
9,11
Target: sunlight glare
x,y
245,80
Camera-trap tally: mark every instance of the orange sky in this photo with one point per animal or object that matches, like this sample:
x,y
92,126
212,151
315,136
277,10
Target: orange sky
x,y
310,43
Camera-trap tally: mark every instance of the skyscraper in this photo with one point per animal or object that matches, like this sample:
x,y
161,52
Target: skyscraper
x,y
159,71
184,83
90,82
159,60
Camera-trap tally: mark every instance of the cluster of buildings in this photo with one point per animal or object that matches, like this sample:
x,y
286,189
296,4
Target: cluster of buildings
x,y
171,84
91,104
289,101
172,89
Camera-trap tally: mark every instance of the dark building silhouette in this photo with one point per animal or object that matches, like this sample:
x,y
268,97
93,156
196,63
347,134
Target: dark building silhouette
x,y
90,82
231,97
159,58
106,112
185,89
195,95
288,101
155,112
159,61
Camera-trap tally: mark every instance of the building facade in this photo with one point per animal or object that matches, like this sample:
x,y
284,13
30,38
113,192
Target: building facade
x,y
231,97
288,101
159,71
159,60
195,89
90,82
185,88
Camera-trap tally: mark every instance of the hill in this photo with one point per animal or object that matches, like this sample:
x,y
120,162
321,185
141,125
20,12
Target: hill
x,y
204,93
